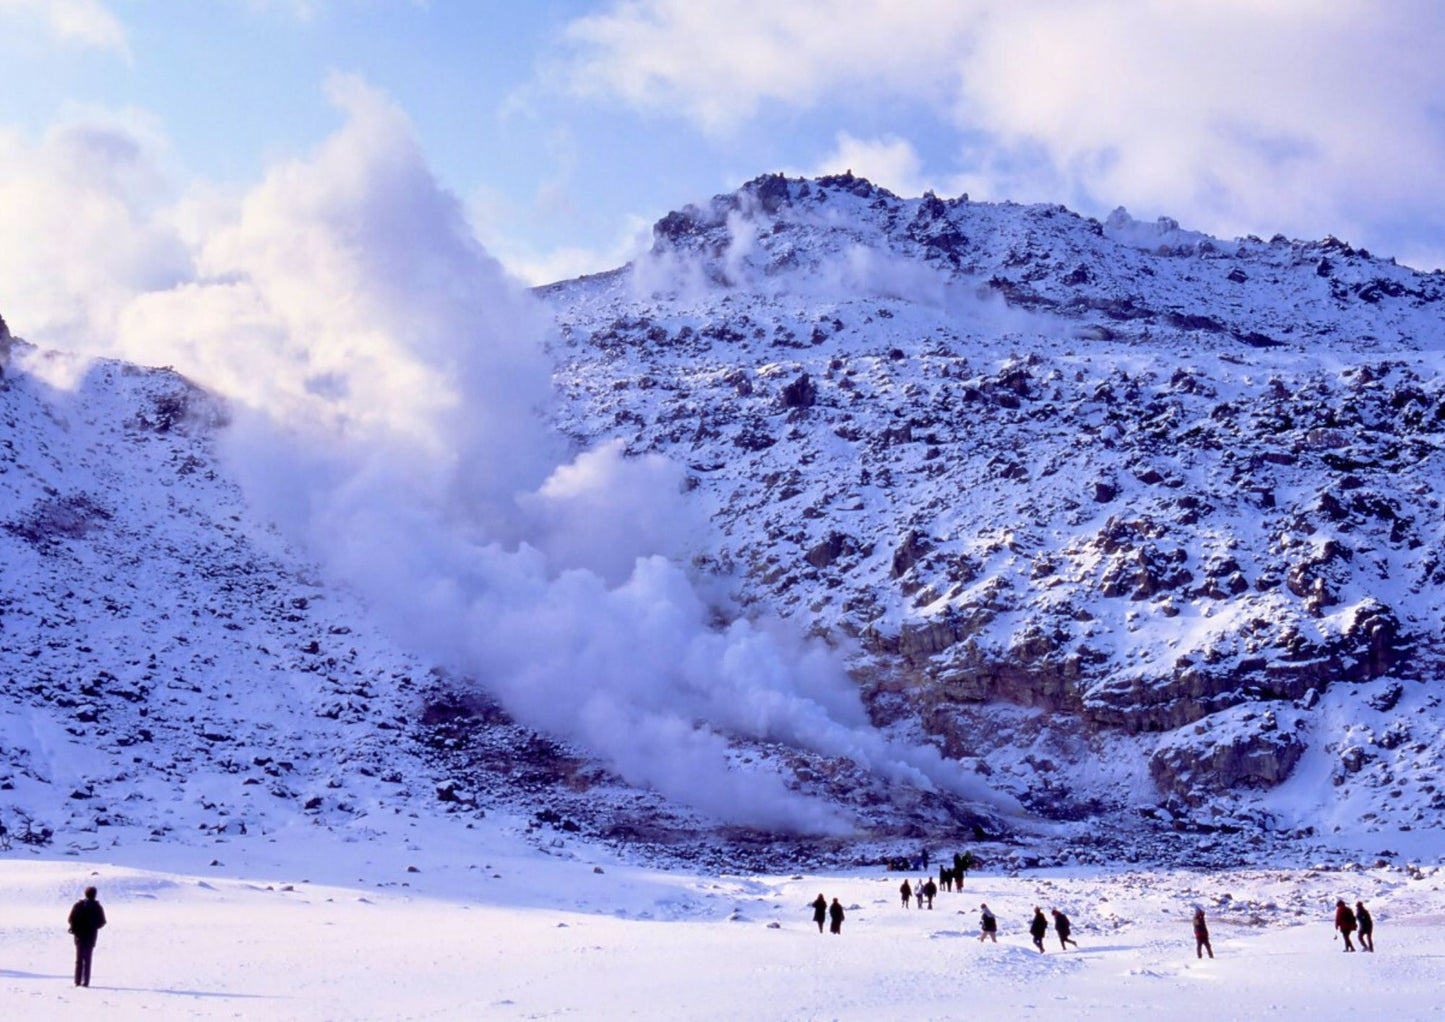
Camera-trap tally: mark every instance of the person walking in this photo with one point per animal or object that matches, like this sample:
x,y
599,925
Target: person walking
x,y
906,889
1201,934
987,925
1344,922
835,914
918,891
86,919
930,891
1366,923
1063,928
820,910
1038,927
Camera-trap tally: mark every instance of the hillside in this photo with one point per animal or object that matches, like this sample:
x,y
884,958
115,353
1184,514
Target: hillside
x,y
1132,519
1137,527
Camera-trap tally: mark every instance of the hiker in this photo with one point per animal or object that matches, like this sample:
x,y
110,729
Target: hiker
x,y
820,910
945,878
1062,928
906,889
86,919
1367,926
835,913
1345,922
930,891
924,856
4,837
918,891
1038,927
1201,934
988,925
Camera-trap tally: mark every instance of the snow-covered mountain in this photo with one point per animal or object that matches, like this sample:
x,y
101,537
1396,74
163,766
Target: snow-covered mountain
x,y
1138,526
1131,518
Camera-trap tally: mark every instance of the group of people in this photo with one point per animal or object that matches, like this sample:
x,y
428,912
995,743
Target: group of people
x,y
1348,921
1038,927
831,914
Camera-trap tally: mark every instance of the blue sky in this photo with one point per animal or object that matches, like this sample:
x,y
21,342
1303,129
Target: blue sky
x,y
565,127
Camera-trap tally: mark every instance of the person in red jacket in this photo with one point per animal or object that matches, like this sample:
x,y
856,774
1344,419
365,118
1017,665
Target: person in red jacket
x,y
1201,934
1345,922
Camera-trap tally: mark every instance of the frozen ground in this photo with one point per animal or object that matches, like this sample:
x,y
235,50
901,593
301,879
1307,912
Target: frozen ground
x,y
311,925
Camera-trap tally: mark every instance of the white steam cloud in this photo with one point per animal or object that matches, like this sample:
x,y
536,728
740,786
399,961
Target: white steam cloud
x,y
388,378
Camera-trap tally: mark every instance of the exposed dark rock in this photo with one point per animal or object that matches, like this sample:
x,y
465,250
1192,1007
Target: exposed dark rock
x,y
801,393
1225,752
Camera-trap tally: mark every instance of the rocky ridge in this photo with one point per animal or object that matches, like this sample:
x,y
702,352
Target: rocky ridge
x,y
1164,492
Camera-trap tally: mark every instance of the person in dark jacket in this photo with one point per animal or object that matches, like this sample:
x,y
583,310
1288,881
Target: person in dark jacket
x,y
988,924
1345,922
1367,926
835,913
86,919
906,889
1038,927
1062,928
820,911
1201,934
930,891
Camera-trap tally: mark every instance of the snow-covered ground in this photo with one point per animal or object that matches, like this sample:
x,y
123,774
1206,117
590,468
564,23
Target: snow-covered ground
x,y
309,925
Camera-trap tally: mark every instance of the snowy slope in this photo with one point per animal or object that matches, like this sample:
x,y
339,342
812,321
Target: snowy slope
x,y
1172,498
1138,527
174,671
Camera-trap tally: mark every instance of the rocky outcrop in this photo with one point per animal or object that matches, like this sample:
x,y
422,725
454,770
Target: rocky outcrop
x,y
1242,748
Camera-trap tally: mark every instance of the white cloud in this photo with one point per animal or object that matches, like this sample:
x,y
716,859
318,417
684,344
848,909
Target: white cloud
x,y
502,228
719,62
1233,115
888,161
79,22
85,215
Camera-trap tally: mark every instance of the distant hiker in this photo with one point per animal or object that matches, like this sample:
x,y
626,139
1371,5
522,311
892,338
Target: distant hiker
x,y
906,889
1345,922
835,913
1038,927
962,863
930,891
86,919
1201,934
918,891
924,856
4,837
988,925
1367,926
1062,928
820,911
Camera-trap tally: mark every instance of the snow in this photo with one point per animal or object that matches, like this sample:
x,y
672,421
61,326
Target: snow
x,y
310,927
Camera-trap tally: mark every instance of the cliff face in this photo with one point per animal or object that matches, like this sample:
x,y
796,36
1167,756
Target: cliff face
x,y
1145,482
